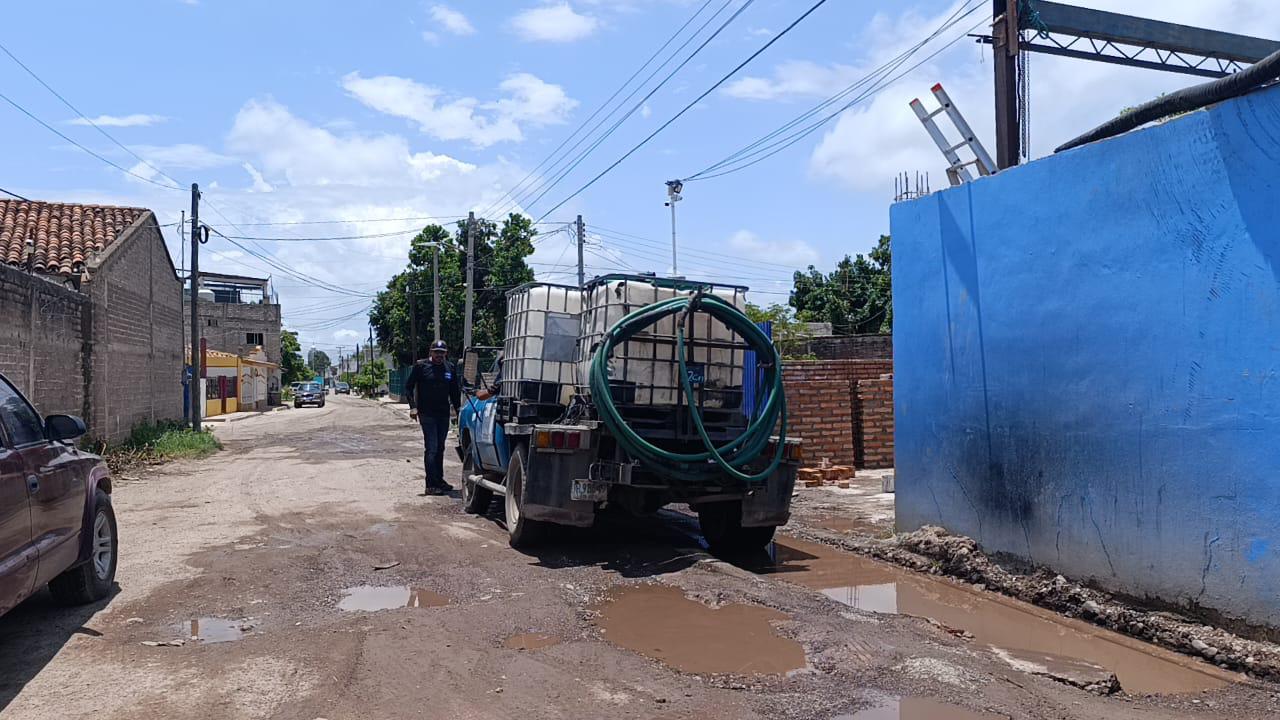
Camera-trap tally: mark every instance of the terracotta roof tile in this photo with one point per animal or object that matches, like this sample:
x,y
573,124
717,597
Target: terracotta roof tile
x,y
61,236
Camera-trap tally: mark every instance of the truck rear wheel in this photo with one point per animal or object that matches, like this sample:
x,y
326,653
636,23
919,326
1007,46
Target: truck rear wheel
x,y
523,531
475,499
721,525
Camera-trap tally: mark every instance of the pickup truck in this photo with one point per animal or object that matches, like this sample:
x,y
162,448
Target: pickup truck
x,y
563,467
57,527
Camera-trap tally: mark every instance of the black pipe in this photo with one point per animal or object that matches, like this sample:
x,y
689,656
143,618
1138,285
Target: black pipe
x,y
1185,100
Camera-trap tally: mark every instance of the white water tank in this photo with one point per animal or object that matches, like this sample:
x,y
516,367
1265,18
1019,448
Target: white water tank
x,y
645,370
541,342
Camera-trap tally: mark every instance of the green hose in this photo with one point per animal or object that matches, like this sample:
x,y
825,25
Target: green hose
x,y
729,458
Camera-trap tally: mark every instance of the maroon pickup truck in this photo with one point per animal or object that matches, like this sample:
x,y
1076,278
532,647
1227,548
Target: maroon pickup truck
x,y
56,522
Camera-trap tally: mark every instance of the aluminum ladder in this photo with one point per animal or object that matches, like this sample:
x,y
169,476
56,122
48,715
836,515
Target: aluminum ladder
x,y
958,171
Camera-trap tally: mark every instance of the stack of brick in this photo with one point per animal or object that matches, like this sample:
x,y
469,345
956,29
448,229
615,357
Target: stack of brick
x,y
873,416
821,402
838,475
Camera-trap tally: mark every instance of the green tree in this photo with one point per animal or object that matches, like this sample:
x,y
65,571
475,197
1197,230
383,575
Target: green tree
x,y
318,362
292,369
371,377
500,265
856,298
789,333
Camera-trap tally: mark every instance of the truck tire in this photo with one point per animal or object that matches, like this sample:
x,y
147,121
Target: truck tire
x,y
92,580
721,525
523,532
475,499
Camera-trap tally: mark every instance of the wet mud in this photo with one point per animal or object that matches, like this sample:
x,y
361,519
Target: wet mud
x,y
531,641
990,619
914,708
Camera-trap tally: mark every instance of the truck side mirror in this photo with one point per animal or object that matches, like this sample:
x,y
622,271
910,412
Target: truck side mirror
x,y
471,368
63,427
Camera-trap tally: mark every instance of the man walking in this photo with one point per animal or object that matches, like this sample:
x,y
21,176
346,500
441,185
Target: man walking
x,y
434,388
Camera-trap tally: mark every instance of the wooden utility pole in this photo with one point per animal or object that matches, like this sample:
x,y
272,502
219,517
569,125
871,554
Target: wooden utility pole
x,y
1005,42
193,388
435,291
413,326
582,240
471,278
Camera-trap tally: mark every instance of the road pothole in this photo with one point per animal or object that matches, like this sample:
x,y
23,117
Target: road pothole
x,y
372,598
659,622
990,619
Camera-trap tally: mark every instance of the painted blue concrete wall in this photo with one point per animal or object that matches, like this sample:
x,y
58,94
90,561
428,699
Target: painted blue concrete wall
x,y
1087,360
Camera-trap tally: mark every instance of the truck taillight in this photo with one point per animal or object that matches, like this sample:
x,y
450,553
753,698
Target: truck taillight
x,y
557,440
573,440
543,439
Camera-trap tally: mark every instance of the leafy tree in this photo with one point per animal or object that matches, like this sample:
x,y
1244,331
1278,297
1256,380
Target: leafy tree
x,y
856,298
500,265
318,362
292,369
789,333
371,377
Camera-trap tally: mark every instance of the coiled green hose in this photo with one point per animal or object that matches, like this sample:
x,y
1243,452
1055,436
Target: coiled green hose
x,y
729,458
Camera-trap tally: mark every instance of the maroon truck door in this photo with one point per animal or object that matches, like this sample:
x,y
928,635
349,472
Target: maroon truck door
x,y
17,552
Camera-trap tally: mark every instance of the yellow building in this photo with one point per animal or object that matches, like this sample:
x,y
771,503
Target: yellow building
x,y
233,383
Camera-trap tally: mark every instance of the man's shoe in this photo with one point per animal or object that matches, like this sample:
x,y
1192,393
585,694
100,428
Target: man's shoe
x,y
430,490
445,487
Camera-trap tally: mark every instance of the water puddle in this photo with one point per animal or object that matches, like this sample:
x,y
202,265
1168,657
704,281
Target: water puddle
x,y
530,641
914,708
209,630
659,622
994,620
371,598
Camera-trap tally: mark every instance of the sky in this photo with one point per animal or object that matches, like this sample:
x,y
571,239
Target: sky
x,y
358,121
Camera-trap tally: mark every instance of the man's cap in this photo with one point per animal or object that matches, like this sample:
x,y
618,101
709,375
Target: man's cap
x,y
439,345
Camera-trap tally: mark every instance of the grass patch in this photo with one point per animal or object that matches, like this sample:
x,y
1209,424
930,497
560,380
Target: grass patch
x,y
154,443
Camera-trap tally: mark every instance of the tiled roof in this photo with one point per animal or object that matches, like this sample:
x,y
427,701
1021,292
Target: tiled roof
x,y
62,236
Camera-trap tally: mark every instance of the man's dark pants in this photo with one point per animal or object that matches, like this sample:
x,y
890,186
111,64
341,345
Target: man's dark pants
x,y
435,431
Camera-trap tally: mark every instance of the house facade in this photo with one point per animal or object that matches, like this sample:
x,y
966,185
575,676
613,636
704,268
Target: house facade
x,y
237,314
90,313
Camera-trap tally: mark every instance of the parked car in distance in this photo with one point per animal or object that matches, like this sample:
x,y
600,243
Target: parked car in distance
x,y
308,393
342,389
57,527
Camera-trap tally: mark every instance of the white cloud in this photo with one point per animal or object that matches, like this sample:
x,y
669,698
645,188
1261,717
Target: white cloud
x,y
431,37
554,22
452,20
182,155
135,120
645,110
259,183
793,79
747,245
351,336
527,100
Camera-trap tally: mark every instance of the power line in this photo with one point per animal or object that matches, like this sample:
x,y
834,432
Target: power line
x,y
511,193
758,151
583,155
332,238
686,108
60,134
353,221
14,194
86,118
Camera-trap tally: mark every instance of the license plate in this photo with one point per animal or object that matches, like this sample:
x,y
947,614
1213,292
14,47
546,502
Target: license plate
x,y
588,490
696,372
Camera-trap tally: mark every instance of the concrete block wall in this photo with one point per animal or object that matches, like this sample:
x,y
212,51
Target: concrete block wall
x,y
226,325
873,419
137,349
43,326
1087,352
820,404
852,347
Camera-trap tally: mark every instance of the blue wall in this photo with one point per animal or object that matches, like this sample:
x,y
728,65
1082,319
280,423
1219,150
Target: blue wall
x,y
1087,360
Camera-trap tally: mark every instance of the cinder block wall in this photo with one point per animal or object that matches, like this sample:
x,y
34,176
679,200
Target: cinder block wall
x,y
225,326
1087,359
137,358
873,418
43,326
820,405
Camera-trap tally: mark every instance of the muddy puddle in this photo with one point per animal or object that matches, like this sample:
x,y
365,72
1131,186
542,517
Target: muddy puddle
x,y
215,630
914,708
530,641
371,598
659,622
994,620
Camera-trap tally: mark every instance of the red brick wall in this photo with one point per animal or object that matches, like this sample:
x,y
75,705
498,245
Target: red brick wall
x,y
873,420
821,405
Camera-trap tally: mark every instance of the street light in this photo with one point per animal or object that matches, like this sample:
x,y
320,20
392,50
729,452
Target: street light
x,y
674,187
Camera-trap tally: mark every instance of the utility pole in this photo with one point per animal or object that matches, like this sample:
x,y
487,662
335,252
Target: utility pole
x,y
582,240
1005,43
413,326
471,278
194,386
673,196
435,291
370,342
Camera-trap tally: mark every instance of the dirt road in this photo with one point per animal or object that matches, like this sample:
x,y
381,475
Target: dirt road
x,y
270,552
